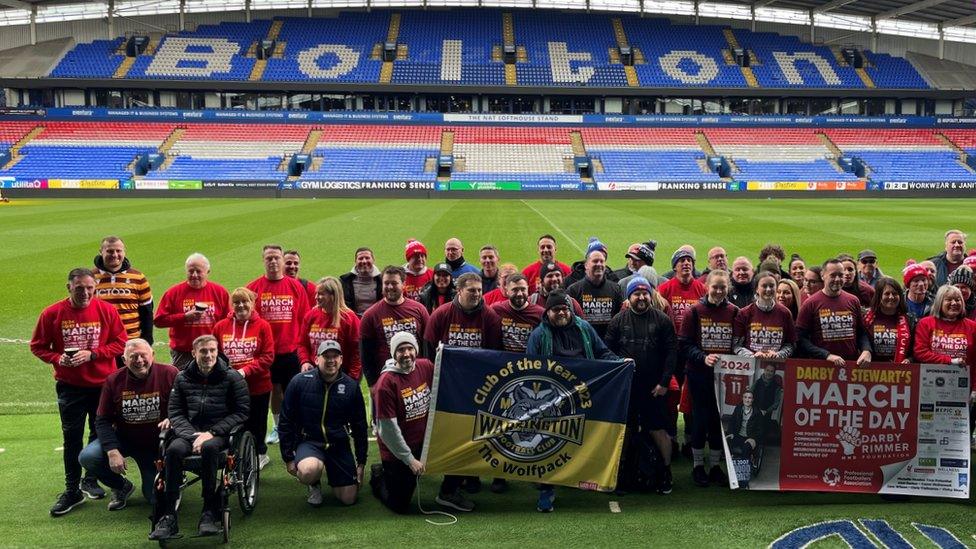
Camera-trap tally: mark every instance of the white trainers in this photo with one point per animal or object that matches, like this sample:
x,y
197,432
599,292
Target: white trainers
x,y
314,495
272,437
263,461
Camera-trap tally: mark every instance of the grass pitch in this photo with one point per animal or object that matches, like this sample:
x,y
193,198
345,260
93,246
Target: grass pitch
x,y
46,238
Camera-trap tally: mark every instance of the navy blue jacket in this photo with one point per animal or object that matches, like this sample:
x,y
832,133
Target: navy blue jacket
x,y
302,418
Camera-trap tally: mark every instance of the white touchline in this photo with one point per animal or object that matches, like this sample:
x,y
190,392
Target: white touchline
x,y
18,341
614,507
59,449
554,226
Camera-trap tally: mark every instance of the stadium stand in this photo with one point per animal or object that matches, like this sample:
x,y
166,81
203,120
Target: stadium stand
x,y
530,154
467,47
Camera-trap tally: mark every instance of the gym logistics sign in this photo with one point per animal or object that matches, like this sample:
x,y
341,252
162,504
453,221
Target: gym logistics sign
x,y
555,420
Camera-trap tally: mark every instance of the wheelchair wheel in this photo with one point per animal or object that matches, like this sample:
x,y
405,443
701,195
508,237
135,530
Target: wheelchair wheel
x,y
247,473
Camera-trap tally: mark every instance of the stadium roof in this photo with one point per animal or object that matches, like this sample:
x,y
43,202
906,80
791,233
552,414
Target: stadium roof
x,y
891,15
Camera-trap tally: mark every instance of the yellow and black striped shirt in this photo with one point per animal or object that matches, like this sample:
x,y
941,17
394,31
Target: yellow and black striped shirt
x,y
126,291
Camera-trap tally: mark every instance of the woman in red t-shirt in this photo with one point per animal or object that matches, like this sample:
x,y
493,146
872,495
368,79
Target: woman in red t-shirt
x,y
888,324
248,343
947,336
331,319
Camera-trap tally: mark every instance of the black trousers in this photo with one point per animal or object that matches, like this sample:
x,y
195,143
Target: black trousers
x,y
707,424
76,405
176,452
399,484
257,421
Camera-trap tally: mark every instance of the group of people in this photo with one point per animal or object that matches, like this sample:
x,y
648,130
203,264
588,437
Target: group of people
x,y
298,348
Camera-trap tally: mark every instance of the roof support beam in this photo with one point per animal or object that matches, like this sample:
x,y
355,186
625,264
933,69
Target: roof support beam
x,y
15,4
910,8
832,5
762,3
962,21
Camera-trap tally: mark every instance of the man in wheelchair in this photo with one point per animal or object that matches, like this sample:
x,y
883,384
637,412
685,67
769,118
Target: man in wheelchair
x,y
746,428
209,400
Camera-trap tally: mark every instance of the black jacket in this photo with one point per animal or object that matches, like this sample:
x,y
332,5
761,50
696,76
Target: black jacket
x,y
216,403
753,428
650,340
349,292
428,296
301,420
578,272
741,295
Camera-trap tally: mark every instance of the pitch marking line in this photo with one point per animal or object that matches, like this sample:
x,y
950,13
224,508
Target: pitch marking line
x,y
554,226
2,450
614,507
59,449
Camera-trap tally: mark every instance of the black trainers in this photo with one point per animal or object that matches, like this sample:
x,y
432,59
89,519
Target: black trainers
x,y
665,485
91,488
472,485
699,476
68,500
166,528
455,501
498,486
120,497
686,451
717,476
209,525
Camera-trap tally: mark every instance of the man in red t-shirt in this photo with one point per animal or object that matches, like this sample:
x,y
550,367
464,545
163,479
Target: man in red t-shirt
x,y
518,317
829,324
131,412
402,398
683,291
191,308
283,302
293,264
418,275
547,254
392,314
79,336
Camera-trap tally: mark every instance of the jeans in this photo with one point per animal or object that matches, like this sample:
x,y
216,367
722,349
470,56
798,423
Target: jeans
x,y
76,405
95,460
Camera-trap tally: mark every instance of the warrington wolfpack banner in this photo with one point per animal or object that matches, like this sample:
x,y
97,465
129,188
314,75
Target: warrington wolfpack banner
x,y
881,428
506,415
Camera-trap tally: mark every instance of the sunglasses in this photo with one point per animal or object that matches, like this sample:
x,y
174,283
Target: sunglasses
x,y
868,260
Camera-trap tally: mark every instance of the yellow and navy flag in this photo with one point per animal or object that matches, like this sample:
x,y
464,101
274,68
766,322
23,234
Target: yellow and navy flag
x,y
541,419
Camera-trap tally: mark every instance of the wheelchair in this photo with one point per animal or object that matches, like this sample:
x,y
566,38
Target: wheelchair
x,y
237,472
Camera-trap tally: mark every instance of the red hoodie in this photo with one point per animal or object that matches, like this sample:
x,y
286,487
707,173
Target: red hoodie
x,y
249,347
181,299
317,327
940,341
283,303
97,328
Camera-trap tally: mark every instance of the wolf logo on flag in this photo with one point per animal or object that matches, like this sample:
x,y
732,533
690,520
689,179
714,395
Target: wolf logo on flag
x,y
506,415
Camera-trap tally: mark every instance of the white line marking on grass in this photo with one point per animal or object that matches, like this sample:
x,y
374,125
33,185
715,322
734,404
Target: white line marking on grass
x,y
2,450
554,226
8,341
614,507
33,404
59,449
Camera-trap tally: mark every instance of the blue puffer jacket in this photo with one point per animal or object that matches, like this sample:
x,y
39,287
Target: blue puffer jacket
x,y
322,414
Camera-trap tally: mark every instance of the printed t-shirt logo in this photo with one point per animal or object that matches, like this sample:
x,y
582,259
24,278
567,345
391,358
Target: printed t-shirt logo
x,y
953,344
80,335
597,309
836,325
885,339
277,308
416,401
529,419
716,336
140,407
460,336
393,325
515,335
764,337
239,351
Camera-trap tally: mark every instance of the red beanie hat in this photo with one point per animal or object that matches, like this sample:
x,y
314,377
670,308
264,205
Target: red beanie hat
x,y
414,247
911,271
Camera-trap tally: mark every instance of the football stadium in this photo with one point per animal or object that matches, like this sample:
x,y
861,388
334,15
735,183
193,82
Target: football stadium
x,y
668,273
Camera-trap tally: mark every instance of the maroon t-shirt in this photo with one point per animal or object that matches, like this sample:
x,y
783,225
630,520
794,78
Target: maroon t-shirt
x,y
833,323
405,398
883,331
710,327
517,325
765,331
136,406
452,326
382,320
